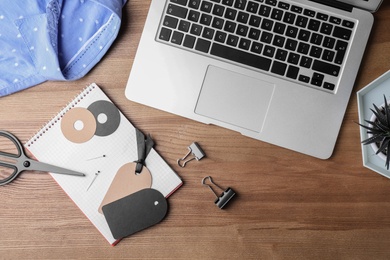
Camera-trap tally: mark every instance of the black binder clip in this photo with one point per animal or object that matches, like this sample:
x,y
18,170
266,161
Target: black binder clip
x,y
225,196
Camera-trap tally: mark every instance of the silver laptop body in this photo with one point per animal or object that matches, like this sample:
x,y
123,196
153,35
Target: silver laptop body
x,y
266,99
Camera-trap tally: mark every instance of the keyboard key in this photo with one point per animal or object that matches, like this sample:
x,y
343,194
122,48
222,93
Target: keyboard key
x,y
194,4
348,24
242,17
230,14
208,33
278,41
266,37
329,86
264,10
301,21
291,44
277,14
244,44
252,7
165,34
257,47
316,39
206,7
303,48
194,16
304,78
240,4
240,56
232,40
206,19
228,2
315,51
291,31
306,62
271,2
304,35
283,5
292,72
230,27
220,36
279,68
279,28
177,11
328,55
184,26
170,22
296,9
289,18
177,37
267,24
255,21
335,20
196,29
341,49
326,68
217,23
202,45
189,41
323,17
218,10
281,55
309,13
254,34
180,2
328,42
342,33
242,30
317,79
293,58
269,51
314,25
326,28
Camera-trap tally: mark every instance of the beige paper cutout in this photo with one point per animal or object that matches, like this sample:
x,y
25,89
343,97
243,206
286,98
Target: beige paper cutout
x,y
73,116
126,182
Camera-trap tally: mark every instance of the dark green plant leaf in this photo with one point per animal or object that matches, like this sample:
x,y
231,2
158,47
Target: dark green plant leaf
x,y
388,156
383,145
386,109
373,139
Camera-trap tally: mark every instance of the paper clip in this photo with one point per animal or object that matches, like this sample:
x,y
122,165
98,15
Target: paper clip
x,y
225,196
196,151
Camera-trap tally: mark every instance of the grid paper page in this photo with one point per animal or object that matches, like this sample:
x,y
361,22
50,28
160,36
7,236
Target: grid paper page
x,y
49,145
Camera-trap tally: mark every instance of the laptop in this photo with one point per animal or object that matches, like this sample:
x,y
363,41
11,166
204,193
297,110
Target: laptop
x,y
279,71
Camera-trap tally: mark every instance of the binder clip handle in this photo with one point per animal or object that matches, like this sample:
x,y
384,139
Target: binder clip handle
x,y
225,196
197,153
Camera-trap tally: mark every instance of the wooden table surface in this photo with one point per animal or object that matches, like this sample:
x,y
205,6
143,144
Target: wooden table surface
x,y
289,205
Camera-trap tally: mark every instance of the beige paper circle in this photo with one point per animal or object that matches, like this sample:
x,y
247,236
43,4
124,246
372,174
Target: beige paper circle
x,y
71,118
126,182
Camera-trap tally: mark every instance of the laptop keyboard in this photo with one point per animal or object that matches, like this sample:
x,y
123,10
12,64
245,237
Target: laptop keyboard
x,y
276,37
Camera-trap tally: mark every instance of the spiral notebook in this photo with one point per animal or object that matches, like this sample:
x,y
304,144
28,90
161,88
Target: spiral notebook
x,y
92,136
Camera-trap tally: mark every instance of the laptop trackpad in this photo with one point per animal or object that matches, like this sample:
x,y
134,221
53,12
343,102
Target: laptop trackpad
x,y
234,98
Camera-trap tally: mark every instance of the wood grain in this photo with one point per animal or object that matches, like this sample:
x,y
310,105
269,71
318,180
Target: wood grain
x,y
289,206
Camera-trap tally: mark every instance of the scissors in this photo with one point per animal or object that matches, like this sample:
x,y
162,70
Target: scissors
x,y
20,162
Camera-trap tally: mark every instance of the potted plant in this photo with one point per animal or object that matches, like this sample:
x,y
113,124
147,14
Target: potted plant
x,y
378,131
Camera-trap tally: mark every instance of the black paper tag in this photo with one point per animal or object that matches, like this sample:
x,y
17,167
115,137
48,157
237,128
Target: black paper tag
x,y
135,212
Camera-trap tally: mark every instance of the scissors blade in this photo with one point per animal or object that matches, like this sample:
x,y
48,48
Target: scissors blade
x,y
45,167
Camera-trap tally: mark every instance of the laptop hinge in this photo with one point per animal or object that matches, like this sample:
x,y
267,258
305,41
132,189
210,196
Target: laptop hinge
x,y
336,4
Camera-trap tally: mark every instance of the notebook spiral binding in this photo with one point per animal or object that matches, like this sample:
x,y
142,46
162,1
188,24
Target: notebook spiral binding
x,y
46,127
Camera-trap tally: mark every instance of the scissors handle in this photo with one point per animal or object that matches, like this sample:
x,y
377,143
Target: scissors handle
x,y
20,162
